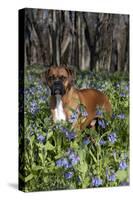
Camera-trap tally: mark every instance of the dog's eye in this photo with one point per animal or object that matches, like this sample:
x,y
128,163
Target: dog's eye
x,y
62,78
50,78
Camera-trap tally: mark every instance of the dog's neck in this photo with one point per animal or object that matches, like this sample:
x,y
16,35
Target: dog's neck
x,y
59,111
59,103
68,95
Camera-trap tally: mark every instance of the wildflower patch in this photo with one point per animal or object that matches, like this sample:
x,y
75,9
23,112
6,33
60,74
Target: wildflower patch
x,y
55,157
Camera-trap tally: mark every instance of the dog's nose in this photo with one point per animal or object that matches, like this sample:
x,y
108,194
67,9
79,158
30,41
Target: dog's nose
x,y
57,82
57,88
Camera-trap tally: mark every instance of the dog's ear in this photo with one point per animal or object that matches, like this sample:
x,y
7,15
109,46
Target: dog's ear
x,y
44,75
71,73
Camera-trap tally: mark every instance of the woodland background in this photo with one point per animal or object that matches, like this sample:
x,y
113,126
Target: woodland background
x,y
85,40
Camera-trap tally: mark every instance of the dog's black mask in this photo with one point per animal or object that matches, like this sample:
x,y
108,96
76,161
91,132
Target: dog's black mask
x,y
57,88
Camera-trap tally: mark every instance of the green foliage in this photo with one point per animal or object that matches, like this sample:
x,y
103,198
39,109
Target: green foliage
x,y
54,157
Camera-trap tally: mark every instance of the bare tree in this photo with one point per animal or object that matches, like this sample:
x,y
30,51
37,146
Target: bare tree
x,y
88,41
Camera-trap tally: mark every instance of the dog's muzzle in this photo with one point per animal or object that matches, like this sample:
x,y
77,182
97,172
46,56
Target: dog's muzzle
x,y
57,88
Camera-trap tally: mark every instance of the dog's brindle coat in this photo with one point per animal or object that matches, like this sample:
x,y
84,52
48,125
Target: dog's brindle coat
x,y
65,98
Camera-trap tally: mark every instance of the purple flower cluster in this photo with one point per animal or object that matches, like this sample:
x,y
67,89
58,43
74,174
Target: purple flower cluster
x,y
101,123
102,142
86,141
124,183
73,118
34,107
122,95
63,162
40,88
99,112
79,111
73,157
123,165
121,116
32,90
112,137
40,138
111,177
69,134
84,114
68,175
82,110
69,161
126,87
96,181
33,129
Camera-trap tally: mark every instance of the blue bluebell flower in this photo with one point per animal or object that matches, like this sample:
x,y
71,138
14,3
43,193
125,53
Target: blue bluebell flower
x,y
69,151
73,118
40,88
123,165
122,95
69,134
59,163
33,129
112,137
126,87
32,90
42,99
68,175
101,123
75,160
113,116
73,157
41,138
63,162
124,183
121,116
99,112
86,141
34,107
82,110
102,142
96,181
111,177
84,114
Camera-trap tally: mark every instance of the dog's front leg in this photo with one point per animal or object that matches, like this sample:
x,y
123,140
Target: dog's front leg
x,y
89,121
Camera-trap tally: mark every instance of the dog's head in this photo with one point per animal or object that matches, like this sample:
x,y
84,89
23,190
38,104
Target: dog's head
x,y
59,79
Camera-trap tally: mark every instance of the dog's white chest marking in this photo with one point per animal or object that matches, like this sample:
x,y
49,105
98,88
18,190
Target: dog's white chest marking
x,y
59,112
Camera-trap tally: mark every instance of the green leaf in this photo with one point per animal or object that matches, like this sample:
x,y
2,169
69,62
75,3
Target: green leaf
x,y
83,167
36,167
49,146
82,155
94,158
122,175
41,156
74,145
29,177
50,133
86,182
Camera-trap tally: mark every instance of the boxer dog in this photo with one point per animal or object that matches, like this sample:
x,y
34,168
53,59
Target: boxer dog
x,y
65,98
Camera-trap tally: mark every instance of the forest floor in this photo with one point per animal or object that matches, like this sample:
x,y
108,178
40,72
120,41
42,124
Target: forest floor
x,y
55,157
